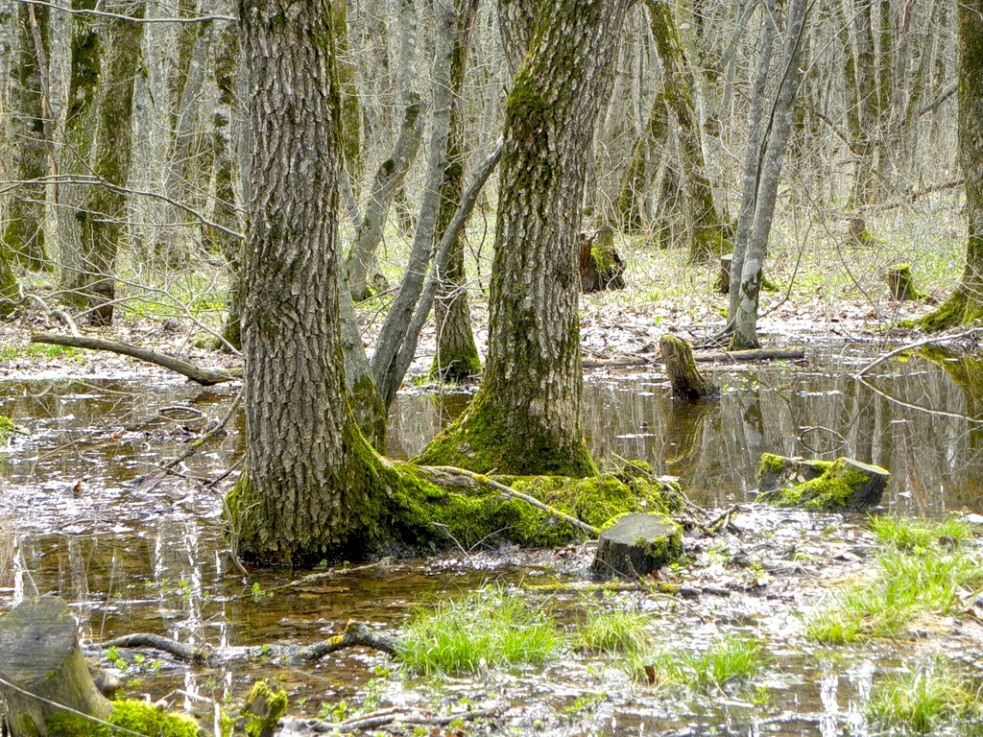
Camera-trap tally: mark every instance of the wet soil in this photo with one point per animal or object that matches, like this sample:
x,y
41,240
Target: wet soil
x,y
82,515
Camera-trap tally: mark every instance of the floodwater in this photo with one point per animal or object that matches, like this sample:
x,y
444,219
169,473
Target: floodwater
x,y
78,517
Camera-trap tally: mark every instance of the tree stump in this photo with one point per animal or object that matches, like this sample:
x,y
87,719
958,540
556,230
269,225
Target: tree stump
x,y
723,276
901,284
601,267
687,381
636,545
40,654
841,485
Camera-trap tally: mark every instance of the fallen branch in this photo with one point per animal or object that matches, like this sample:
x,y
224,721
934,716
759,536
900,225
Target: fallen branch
x,y
205,377
389,716
356,634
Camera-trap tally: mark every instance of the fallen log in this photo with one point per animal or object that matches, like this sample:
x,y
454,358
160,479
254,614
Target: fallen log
x,y
205,377
754,354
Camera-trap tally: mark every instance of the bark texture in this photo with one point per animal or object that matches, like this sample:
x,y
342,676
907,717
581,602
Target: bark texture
x,y
966,303
526,417
310,490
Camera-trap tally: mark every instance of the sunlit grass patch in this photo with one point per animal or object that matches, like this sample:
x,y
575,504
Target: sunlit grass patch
x,y
915,534
486,629
735,658
39,350
926,570
923,700
612,632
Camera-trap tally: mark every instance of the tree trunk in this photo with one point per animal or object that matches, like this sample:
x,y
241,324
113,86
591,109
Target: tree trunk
x,y
100,217
457,357
707,237
8,286
23,235
769,173
966,303
526,417
313,488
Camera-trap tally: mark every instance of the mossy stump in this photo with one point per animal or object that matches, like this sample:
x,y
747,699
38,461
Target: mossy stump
x,y
262,711
40,654
901,284
687,381
637,545
601,267
841,485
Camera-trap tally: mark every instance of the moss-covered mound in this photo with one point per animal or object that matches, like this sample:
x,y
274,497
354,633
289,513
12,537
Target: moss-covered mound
x,y
136,716
472,512
843,484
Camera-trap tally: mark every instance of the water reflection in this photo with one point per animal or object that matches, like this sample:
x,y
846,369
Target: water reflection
x,y
75,518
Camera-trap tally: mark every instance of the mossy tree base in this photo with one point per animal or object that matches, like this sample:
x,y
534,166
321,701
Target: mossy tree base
x,y
901,284
840,485
419,509
960,309
483,440
601,267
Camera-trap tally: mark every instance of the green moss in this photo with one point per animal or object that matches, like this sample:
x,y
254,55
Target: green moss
x,y
771,463
7,428
957,310
833,489
137,716
263,709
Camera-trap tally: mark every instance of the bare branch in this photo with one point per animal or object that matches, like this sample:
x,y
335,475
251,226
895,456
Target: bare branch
x,y
131,19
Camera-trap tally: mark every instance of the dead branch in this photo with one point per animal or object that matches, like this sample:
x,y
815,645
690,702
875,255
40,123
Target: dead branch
x,y
756,354
205,377
356,634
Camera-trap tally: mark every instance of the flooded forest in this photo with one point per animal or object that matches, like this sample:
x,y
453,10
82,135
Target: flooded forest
x,y
454,368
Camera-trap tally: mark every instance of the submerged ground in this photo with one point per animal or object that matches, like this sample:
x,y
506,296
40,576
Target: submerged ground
x,y
81,517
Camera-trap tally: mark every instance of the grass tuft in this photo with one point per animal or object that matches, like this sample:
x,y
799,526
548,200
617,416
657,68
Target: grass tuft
x,y
735,658
487,629
923,700
925,570
613,632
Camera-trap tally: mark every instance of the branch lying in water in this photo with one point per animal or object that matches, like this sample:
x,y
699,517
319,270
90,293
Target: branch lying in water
x,y
356,634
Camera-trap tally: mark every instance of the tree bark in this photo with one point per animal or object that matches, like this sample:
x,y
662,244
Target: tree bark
x,y
23,236
769,173
708,239
526,417
966,303
457,357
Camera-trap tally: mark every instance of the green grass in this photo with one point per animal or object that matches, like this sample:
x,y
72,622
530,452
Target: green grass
x,y
735,658
39,350
922,701
612,632
489,628
913,534
924,569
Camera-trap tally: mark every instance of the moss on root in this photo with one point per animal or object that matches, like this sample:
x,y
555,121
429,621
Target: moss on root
x,y
136,716
419,509
959,309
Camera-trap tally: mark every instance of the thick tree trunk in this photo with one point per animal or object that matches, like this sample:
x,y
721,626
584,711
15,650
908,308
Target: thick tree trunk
x,y
8,286
526,417
457,357
966,303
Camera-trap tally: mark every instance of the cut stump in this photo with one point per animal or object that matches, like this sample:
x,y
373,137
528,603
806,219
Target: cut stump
x,y
601,267
687,381
41,656
723,276
636,545
902,285
841,485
